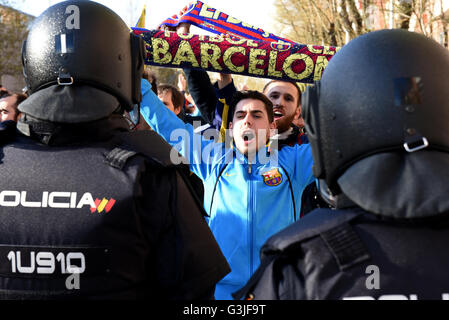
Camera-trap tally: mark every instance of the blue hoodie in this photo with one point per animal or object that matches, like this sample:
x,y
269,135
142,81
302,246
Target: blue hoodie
x,y
247,202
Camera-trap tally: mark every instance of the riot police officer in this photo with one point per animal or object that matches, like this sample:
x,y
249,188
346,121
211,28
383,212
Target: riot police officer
x,y
377,123
89,209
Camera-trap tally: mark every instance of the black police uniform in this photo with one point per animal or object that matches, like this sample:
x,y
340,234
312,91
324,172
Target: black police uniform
x,y
353,254
381,153
310,198
88,209
91,198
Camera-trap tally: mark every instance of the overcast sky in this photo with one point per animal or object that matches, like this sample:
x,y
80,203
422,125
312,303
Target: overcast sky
x,y
259,13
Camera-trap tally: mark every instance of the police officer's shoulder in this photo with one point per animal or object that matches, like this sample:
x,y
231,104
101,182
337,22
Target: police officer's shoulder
x,y
312,225
149,144
315,223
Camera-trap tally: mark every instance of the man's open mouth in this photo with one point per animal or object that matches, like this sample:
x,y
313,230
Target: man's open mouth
x,y
248,136
277,115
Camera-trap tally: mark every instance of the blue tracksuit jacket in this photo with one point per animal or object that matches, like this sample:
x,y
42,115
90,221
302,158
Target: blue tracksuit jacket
x,y
247,203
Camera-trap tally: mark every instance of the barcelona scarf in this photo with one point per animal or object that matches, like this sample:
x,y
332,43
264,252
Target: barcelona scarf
x,y
237,49
213,20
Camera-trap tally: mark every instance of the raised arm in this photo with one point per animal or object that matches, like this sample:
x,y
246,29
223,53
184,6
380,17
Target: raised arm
x,y
177,133
202,92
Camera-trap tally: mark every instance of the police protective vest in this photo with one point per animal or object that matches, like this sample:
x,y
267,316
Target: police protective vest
x,y
353,254
105,218
381,151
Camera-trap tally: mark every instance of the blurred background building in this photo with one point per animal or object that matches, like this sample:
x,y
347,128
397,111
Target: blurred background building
x,y
335,22
13,30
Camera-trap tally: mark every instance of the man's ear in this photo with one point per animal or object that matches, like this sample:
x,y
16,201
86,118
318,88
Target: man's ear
x,y
230,130
273,128
178,110
298,113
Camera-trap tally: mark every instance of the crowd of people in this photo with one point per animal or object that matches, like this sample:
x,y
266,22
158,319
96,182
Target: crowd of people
x,y
210,192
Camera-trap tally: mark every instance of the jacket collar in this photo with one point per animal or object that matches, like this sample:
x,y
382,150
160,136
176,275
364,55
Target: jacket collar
x,y
264,155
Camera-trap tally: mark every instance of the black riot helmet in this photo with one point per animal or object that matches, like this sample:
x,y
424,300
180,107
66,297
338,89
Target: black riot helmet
x,y
386,91
84,43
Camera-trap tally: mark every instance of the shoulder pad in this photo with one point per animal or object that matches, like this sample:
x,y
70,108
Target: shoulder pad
x,y
313,224
348,250
148,143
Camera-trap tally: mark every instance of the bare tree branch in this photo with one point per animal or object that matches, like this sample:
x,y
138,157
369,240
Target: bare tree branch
x,y
327,21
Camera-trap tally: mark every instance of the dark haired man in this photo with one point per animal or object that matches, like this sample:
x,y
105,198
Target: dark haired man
x,y
248,186
286,99
252,122
9,105
171,97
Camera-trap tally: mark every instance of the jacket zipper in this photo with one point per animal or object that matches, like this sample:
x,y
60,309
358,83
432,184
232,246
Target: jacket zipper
x,y
251,216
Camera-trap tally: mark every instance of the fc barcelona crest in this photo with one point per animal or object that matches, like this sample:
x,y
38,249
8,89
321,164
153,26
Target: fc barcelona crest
x,y
280,46
272,178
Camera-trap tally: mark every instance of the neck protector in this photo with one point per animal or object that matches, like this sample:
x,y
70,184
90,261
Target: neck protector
x,y
399,185
69,104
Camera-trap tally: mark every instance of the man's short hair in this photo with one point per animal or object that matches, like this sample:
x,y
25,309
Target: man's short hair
x,y
293,83
255,95
176,96
3,92
20,97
